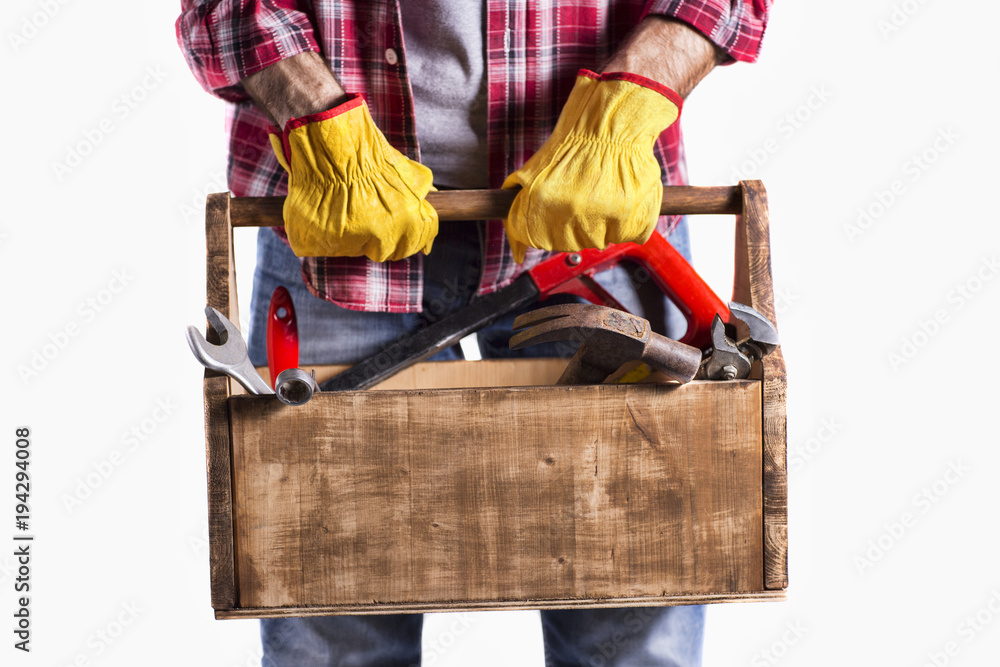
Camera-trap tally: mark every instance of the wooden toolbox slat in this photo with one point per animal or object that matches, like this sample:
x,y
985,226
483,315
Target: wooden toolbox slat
x,y
753,285
537,493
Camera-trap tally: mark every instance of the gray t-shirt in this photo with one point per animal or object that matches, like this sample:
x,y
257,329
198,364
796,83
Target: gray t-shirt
x,y
445,61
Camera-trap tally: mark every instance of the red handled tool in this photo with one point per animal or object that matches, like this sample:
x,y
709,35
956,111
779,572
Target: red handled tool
x,y
573,273
562,273
282,334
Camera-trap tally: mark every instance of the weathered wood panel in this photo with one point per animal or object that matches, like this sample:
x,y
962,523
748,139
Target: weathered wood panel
x,y
753,285
433,498
220,282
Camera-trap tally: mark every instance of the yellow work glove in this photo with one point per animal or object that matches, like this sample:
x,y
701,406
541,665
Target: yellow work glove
x,y
595,180
349,192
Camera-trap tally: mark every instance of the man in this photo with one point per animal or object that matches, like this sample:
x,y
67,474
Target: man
x,y
495,94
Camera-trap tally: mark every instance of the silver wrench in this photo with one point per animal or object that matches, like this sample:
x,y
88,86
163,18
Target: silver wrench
x,y
230,357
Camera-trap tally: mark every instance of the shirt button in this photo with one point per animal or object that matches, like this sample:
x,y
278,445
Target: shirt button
x,y
391,57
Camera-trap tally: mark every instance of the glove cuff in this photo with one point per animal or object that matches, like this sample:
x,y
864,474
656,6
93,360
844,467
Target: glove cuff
x,y
278,135
354,100
620,107
639,80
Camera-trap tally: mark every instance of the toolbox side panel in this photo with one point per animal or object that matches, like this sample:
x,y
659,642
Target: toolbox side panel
x,y
753,285
375,499
221,293
220,503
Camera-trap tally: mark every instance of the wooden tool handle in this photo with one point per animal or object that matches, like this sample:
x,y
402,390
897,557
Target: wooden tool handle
x,y
494,204
675,360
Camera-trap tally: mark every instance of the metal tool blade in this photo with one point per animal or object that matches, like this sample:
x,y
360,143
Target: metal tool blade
x,y
435,337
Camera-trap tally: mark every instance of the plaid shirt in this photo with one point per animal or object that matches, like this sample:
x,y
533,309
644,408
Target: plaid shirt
x,y
533,51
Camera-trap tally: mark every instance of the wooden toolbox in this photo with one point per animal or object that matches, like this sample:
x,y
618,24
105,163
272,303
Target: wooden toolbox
x,y
471,485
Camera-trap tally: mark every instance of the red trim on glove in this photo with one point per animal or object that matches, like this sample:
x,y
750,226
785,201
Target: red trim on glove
x,y
637,79
354,100
285,145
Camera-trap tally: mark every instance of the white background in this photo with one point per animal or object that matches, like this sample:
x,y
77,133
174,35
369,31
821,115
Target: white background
x,y
837,109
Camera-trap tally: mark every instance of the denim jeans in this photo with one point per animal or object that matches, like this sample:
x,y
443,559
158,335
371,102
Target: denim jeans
x,y
669,636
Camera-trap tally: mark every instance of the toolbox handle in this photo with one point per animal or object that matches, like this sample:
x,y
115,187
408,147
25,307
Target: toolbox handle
x,y
752,283
494,204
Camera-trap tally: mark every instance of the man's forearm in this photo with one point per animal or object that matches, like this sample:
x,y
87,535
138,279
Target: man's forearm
x,y
294,87
668,52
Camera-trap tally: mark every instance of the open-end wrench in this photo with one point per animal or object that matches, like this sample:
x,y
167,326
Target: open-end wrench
x,y
230,357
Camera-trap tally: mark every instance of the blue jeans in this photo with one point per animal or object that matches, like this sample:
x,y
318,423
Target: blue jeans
x,y
669,636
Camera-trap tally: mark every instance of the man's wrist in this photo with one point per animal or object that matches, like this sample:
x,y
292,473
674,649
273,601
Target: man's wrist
x,y
667,51
295,87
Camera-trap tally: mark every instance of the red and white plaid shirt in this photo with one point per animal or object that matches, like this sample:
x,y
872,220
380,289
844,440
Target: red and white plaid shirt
x,y
533,52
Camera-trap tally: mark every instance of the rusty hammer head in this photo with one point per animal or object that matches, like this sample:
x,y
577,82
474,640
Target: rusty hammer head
x,y
609,338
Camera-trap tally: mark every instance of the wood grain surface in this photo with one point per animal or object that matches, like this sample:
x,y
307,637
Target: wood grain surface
x,y
753,285
220,279
221,293
446,498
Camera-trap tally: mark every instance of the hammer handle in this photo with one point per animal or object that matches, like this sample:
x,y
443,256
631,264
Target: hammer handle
x,y
675,360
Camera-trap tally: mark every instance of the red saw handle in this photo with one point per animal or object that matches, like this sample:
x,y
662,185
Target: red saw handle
x,y
282,334
572,273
